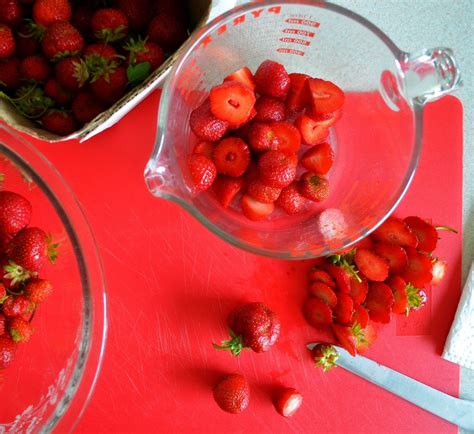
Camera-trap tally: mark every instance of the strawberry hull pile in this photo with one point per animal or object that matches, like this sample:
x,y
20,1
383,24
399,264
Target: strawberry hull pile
x,y
384,274
250,131
62,63
23,252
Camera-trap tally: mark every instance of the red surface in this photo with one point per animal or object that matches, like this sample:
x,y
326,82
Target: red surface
x,y
171,284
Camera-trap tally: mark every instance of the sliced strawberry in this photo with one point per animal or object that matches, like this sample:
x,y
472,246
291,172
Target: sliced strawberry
x,y
226,188
298,95
326,97
318,275
289,138
202,170
371,265
242,75
340,276
277,169
317,313
370,336
427,234
251,116
313,187
438,271
325,120
232,102
364,243
359,289
379,302
395,231
318,159
272,79
398,286
261,137
311,132
231,156
204,148
287,401
344,309
361,316
262,192
270,109
395,255
323,292
290,200
255,210
345,337
418,270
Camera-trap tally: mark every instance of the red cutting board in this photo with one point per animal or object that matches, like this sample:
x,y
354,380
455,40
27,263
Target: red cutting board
x,y
171,284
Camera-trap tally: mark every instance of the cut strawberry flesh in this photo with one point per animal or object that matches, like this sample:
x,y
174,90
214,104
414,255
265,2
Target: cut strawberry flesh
x,y
311,132
326,97
340,276
395,255
318,275
398,286
418,270
226,188
359,289
244,76
255,210
317,313
345,338
438,271
325,120
288,401
298,96
371,265
231,156
318,159
395,231
379,302
427,234
344,309
288,137
361,316
323,292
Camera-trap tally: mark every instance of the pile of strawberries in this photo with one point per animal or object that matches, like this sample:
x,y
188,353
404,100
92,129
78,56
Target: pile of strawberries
x,y
384,274
62,62
250,131
23,252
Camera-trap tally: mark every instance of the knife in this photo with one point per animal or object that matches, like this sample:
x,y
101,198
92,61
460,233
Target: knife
x,y
455,410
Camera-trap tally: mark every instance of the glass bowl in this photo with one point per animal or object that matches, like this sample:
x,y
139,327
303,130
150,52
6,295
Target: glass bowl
x,y
53,375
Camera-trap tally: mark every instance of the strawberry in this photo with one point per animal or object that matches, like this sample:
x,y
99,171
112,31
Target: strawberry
x,y
340,276
226,188
57,92
232,102
323,292
360,316
318,159
395,231
9,73
438,271
359,289
242,75
311,132
277,169
252,325
71,73
317,313
59,122
318,275
82,18
85,107
418,270
349,337
35,68
325,96
205,125
287,401
232,393
38,290
17,306
325,356
167,31
15,212
7,351
62,39
325,120
261,137
7,42
427,234
27,39
20,330
290,200
288,136
48,12
400,299
11,13
111,86
371,265
255,210
141,51
379,302
4,240
103,51
344,309
3,293
270,109
202,170
204,148
263,193
370,336
231,156
313,187
252,173
298,93
109,24
272,79
395,255
3,323
137,13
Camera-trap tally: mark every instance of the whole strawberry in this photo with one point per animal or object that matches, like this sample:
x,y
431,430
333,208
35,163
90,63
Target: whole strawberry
x,y
16,306
15,212
35,68
142,51
59,122
3,323
20,330
85,107
110,86
7,42
109,24
252,325
47,12
9,73
232,393
137,13
11,12
167,31
71,73
62,39
7,351
57,92
38,290
202,170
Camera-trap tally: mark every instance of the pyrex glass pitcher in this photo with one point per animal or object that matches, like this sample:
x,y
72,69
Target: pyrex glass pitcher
x,y
377,142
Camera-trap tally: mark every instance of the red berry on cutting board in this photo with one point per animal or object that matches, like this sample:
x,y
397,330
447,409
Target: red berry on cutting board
x,y
232,393
287,401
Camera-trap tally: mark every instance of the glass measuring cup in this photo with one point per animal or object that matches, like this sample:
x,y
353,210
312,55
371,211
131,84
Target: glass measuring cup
x,y
377,142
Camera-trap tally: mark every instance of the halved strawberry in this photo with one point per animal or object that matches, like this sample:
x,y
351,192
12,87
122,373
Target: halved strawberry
x,y
311,132
277,169
226,188
298,95
418,270
395,231
349,337
340,276
325,96
287,401
290,199
255,210
313,187
395,255
270,109
323,292
242,75
360,316
371,265
398,286
202,170
325,120
231,156
272,79
379,302
344,309
317,313
318,275
232,102
261,137
438,271
289,138
205,125
370,336
262,192
318,159
359,289
427,234
204,148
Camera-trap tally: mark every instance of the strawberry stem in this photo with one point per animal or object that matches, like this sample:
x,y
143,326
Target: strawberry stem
x,y
346,261
446,228
234,344
328,358
2,300
414,299
16,273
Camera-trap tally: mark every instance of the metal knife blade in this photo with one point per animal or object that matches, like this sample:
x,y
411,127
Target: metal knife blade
x,y
455,410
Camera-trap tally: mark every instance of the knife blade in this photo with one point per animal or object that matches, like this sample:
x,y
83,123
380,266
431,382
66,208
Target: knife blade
x,y
455,410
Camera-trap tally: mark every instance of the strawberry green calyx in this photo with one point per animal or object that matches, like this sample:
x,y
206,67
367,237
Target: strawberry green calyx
x,y
33,30
359,334
346,261
111,35
16,337
446,228
135,46
99,66
52,249
16,273
234,345
327,359
414,299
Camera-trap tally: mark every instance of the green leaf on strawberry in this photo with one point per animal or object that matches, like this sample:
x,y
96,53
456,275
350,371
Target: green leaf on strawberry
x,y
234,345
138,73
16,273
346,261
414,299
